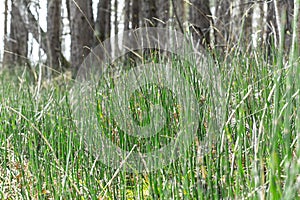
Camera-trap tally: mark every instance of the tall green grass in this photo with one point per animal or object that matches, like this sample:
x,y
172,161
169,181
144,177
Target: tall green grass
x,y
255,157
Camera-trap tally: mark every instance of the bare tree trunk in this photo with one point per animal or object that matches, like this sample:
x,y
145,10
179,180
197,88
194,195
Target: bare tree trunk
x,y
108,20
103,20
53,34
116,21
262,27
201,21
5,17
178,13
180,8
163,12
81,31
116,26
222,22
271,25
32,25
149,13
135,13
16,46
235,25
5,26
289,23
127,15
68,10
279,20
246,16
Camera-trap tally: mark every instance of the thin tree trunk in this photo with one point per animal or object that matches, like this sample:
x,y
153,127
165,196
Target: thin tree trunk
x,y
103,20
149,13
108,20
32,25
16,47
53,34
181,12
5,17
116,21
81,31
135,13
163,12
262,25
235,25
271,25
222,22
201,20
68,10
127,15
246,16
279,20
116,27
5,26
289,24
178,13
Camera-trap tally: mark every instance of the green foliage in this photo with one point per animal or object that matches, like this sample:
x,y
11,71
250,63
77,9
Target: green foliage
x,y
256,156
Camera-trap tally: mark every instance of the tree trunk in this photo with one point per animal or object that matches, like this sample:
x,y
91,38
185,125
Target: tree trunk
x,y
5,26
32,25
103,21
135,13
261,28
222,22
108,20
68,10
289,23
116,27
201,20
127,15
116,21
16,46
163,12
5,17
271,25
53,34
279,19
177,14
81,31
235,25
246,11
149,13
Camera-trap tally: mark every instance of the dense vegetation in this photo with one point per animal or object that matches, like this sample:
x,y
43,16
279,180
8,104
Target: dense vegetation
x,y
250,152
255,156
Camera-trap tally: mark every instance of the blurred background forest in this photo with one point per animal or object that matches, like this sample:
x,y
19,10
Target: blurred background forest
x,y
63,31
